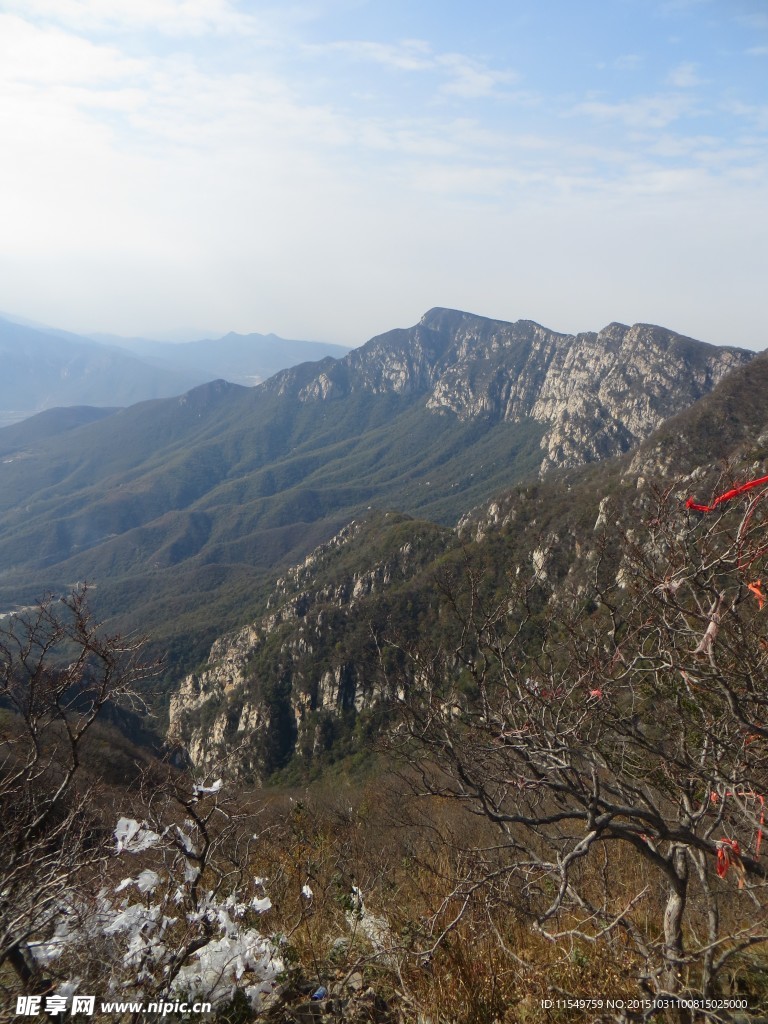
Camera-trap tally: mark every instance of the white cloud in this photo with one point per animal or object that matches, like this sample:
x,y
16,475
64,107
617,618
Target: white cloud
x,y
44,56
470,80
753,114
409,55
168,166
685,76
628,62
682,6
754,20
178,18
466,77
643,112
463,179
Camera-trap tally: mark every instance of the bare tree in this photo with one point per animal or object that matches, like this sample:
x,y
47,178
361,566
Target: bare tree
x,y
614,729
58,672
181,925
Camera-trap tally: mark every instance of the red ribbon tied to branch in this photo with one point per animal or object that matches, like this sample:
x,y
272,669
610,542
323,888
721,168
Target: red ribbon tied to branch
x,y
729,856
721,499
733,493
724,858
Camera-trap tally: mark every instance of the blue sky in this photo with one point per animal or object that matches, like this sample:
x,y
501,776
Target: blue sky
x,y
333,168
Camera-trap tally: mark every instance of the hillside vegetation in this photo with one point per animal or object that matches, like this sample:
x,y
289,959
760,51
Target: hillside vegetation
x,y
179,509
527,752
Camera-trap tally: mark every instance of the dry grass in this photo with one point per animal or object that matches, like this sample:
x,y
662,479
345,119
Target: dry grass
x,y
445,950
491,966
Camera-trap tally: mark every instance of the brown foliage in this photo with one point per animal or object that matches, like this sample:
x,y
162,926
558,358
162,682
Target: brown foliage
x,y
612,730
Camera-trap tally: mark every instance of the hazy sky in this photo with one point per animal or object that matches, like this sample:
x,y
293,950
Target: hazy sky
x,y
331,169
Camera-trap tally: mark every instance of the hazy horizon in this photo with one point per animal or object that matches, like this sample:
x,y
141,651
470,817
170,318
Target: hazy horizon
x,y
331,169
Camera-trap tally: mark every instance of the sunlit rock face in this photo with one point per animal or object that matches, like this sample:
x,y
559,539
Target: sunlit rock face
x,y
598,394
273,683
225,714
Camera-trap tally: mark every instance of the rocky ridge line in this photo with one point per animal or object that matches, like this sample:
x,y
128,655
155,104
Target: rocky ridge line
x,y
599,394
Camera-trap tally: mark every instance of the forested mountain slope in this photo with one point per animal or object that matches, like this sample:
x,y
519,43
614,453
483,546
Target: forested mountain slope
x,y
304,683
177,509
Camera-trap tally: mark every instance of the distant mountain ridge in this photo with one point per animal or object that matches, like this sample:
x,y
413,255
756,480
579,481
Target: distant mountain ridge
x,y
246,359
45,368
181,508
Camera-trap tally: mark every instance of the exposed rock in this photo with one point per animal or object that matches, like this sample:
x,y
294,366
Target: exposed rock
x,y
220,716
598,394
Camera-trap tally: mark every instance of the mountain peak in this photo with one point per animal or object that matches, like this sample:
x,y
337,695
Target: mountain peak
x,y
225,481
441,317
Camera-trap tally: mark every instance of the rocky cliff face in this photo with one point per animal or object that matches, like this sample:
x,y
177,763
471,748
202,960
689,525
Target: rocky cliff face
x,y
277,684
285,683
598,394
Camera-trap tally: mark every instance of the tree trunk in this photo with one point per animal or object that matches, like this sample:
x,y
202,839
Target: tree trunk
x,y
674,912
